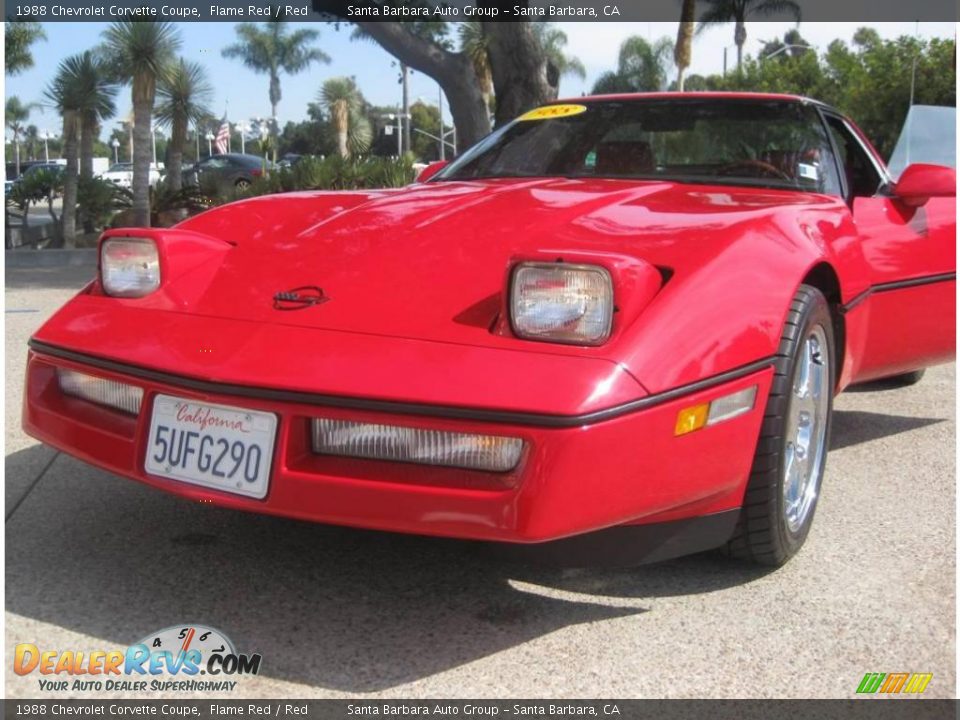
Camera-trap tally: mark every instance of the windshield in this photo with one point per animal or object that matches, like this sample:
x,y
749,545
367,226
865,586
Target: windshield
x,y
121,167
780,144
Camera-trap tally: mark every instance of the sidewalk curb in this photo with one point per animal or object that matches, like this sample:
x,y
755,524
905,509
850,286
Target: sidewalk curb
x,y
50,258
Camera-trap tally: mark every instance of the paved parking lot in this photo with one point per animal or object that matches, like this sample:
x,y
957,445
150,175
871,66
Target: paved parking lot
x,y
96,562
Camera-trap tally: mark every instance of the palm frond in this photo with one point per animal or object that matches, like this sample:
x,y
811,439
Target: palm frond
x,y
766,8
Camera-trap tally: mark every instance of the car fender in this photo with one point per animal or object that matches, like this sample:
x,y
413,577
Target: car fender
x,y
723,313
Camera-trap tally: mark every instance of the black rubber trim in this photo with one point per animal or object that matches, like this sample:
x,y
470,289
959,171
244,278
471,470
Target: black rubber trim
x,y
628,545
402,408
898,285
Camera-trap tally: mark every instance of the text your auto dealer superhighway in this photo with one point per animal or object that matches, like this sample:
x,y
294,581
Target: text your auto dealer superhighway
x,y
86,11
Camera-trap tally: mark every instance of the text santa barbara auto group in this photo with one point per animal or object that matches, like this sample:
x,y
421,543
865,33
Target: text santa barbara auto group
x,y
470,11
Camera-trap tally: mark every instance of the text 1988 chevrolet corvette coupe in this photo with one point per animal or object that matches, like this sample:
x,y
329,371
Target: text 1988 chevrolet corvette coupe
x,y
621,319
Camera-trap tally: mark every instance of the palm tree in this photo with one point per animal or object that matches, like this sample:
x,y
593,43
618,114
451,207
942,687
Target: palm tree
x,y
31,137
143,52
184,97
553,40
641,67
340,97
273,49
64,94
19,35
95,90
17,114
684,49
473,42
722,12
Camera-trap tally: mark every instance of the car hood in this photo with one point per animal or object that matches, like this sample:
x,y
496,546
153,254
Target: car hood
x,y
430,261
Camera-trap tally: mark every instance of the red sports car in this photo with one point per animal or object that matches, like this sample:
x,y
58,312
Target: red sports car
x,y
617,323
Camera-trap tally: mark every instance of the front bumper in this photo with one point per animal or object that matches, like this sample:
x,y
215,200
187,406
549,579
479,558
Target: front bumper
x,y
631,469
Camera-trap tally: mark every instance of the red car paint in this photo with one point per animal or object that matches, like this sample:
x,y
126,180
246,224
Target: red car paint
x,y
414,333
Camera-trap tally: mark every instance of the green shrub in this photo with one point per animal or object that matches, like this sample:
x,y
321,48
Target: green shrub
x,y
330,173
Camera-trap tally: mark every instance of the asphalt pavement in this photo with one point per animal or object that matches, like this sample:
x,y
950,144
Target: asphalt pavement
x,y
94,561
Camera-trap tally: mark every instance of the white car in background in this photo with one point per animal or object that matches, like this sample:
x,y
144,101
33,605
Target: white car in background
x,y
122,174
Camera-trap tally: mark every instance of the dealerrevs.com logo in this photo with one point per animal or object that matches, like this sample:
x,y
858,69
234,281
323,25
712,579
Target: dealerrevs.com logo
x,y
894,683
187,658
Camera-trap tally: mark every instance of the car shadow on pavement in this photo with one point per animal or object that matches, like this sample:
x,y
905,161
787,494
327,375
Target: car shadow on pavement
x,y
334,608
853,427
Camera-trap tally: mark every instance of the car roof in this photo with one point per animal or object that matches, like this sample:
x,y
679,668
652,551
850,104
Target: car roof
x,y
697,95
238,156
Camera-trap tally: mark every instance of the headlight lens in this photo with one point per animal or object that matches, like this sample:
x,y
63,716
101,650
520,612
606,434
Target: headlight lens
x,y
129,267
562,303
395,443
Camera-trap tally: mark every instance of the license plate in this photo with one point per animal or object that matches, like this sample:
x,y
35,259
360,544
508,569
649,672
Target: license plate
x,y
220,447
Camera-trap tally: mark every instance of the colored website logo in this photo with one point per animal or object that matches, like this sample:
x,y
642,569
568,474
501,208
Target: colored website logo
x,y
178,658
894,683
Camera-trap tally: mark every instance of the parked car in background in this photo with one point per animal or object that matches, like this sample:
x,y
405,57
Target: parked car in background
x,y
122,174
33,168
289,160
617,323
226,172
11,169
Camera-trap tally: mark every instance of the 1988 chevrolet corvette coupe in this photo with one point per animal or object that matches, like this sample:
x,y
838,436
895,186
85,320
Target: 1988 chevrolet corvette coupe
x,y
617,322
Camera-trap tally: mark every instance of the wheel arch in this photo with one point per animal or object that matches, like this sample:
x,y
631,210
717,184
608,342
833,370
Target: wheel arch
x,y
824,278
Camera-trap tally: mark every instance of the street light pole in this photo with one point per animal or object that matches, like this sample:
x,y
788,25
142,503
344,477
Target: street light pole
x,y
406,106
443,148
116,150
46,147
209,144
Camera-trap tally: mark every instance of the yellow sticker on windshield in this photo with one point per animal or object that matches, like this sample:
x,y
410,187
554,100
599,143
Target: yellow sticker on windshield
x,y
549,112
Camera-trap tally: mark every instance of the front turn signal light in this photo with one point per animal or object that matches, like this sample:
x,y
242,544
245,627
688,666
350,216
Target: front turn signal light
x,y
691,418
716,411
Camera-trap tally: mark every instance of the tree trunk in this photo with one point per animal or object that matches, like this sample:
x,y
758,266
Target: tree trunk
x,y
740,38
142,151
70,142
16,143
178,139
89,129
683,50
452,70
521,78
88,132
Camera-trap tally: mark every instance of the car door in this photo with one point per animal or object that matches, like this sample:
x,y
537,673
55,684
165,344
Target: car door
x,y
210,172
903,318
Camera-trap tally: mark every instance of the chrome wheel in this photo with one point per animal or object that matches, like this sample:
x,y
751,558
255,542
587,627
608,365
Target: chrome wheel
x,y
805,438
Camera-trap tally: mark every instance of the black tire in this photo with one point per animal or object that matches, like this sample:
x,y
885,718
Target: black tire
x,y
762,534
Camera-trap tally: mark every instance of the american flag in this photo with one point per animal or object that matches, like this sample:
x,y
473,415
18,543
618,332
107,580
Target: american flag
x,y
223,136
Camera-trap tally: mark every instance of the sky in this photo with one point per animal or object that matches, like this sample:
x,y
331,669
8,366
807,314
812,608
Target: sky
x,y
242,94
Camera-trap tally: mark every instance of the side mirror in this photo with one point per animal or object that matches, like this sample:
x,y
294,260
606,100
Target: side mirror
x,y
430,170
920,182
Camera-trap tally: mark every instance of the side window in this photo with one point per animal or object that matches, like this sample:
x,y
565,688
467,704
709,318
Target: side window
x,y
863,180
213,163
